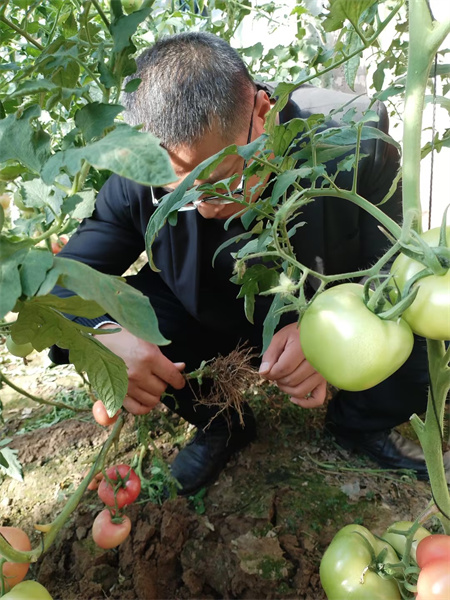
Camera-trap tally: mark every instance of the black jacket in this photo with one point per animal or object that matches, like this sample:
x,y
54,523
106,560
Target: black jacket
x,y
338,237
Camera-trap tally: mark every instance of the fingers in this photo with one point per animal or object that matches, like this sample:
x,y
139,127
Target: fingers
x,y
169,372
303,387
316,398
137,408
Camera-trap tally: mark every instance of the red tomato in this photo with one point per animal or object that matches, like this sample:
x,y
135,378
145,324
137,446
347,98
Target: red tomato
x,y
107,534
432,548
59,244
15,572
434,580
101,416
125,491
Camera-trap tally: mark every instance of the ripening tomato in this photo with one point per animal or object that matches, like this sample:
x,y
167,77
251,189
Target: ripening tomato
x,y
429,314
435,547
101,415
125,491
108,534
434,580
344,572
398,541
19,540
349,345
28,590
20,350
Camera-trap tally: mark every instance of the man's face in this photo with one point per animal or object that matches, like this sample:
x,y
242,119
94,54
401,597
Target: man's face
x,y
185,158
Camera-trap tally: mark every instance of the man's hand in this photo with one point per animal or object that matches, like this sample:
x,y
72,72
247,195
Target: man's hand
x,y
149,371
285,363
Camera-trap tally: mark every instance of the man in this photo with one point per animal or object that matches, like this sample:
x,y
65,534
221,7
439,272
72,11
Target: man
x,y
197,97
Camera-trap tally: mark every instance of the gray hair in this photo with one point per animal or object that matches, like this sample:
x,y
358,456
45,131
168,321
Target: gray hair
x,y
190,83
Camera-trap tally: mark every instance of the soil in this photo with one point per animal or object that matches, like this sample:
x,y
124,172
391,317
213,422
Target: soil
x,y
258,532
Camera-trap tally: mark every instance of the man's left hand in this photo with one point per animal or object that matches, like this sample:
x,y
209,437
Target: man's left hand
x,y
284,363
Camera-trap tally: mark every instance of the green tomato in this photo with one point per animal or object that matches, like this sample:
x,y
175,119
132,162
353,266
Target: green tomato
x,y
130,6
20,350
344,572
28,590
429,314
398,541
349,345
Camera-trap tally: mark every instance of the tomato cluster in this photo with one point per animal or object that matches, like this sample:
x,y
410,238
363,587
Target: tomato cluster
x,y
119,487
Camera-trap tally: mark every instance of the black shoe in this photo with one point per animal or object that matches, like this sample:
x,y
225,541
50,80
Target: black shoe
x,y
390,450
200,462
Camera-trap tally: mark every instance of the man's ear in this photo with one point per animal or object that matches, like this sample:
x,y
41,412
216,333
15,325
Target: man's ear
x,y
262,107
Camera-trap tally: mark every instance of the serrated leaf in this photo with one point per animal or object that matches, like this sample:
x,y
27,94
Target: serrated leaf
x,y
34,270
133,154
256,279
271,321
13,468
21,141
43,326
126,305
11,257
351,66
348,136
94,118
35,194
123,27
11,172
85,207
340,10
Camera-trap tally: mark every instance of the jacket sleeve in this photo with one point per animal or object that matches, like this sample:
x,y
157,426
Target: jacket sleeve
x,y
109,241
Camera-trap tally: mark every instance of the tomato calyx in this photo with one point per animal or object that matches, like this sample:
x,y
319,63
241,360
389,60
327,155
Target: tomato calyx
x,y
379,301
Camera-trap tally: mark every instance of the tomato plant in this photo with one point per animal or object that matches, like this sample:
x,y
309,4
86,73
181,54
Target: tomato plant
x,y
101,415
125,490
398,541
20,350
28,590
348,344
434,580
15,572
349,567
436,547
429,314
107,533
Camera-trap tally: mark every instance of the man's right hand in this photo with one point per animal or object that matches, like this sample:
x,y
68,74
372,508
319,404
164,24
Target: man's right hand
x,y
149,371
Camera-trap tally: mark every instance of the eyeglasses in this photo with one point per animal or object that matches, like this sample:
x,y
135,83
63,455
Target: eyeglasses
x,y
236,195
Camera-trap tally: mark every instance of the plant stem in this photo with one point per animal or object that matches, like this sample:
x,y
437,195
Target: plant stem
x,y
14,555
21,391
430,432
101,13
22,32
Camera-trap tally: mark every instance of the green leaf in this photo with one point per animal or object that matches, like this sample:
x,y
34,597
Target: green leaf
x,y
94,118
123,27
31,87
125,151
132,85
271,321
85,205
34,270
255,279
13,467
11,172
73,305
20,141
43,326
11,256
348,136
67,76
351,66
126,305
340,10
35,194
